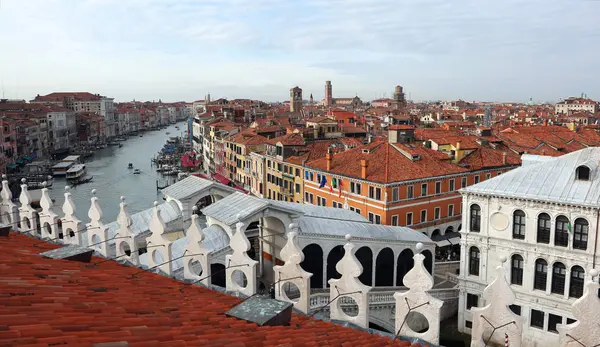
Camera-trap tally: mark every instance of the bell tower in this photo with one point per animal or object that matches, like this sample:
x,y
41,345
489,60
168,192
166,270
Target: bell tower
x,y
295,99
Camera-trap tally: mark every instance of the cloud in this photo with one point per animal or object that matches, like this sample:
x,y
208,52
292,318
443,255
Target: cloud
x,y
147,49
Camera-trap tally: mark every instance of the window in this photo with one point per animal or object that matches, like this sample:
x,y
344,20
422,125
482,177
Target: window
x,y
475,218
561,234
358,210
543,228
375,193
516,271
355,188
519,225
423,216
450,210
576,284
410,192
378,193
377,219
476,179
468,324
474,261
438,187
488,176
395,194
516,309
580,235
371,217
424,189
409,218
463,182
451,188
436,213
472,300
334,204
559,272
583,173
395,220
541,274
537,319
553,320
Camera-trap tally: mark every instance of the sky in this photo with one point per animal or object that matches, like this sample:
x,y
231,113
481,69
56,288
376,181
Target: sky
x,y
509,50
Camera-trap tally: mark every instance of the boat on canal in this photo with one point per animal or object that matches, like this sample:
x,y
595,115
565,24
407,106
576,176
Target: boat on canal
x,y
76,172
130,166
137,172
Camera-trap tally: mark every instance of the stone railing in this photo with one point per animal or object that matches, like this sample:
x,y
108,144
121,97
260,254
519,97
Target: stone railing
x,y
320,299
452,278
443,267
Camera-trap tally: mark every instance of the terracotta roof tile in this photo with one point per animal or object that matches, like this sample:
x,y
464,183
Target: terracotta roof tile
x,y
53,302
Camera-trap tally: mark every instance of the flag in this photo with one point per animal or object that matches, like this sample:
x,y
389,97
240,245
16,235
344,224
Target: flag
x,y
569,227
323,181
340,186
330,188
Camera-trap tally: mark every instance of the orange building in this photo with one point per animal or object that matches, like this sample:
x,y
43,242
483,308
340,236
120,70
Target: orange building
x,y
404,184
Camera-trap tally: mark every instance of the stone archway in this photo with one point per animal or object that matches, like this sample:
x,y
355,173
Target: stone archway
x,y
384,268
217,274
313,263
405,263
365,257
436,233
334,256
449,229
428,262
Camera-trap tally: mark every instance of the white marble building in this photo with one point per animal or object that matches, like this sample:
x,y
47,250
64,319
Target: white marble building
x,y
543,217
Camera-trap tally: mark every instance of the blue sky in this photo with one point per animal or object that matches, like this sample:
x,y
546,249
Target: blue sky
x,y
506,50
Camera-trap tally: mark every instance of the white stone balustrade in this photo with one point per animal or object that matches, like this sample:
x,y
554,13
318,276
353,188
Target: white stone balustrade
x,y
159,246
97,232
292,273
495,319
198,255
417,299
48,218
349,286
8,210
586,310
125,245
26,212
240,273
72,227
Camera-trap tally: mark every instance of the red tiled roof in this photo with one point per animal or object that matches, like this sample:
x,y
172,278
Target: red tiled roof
x,y
293,139
386,164
45,302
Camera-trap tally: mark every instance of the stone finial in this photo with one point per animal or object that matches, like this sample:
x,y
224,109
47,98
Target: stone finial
x,y
23,180
586,311
417,299
292,256
96,231
27,214
47,217
499,296
240,245
6,193
197,251
71,225
350,269
126,247
159,255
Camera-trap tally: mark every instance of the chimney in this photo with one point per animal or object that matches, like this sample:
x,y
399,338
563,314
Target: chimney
x,y
329,157
503,158
458,146
363,168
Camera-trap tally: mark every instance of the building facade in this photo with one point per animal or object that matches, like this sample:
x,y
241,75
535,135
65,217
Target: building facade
x,y
543,217
576,105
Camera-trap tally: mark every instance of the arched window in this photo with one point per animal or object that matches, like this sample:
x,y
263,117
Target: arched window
x,y
580,234
543,228
516,270
540,278
475,218
519,225
583,173
561,234
559,273
474,261
576,284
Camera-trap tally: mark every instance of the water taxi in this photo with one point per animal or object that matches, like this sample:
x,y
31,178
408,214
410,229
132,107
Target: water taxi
x,y
76,172
130,166
137,172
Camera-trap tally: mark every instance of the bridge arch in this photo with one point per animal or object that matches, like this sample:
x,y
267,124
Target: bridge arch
x,y
365,257
384,268
334,256
313,263
404,264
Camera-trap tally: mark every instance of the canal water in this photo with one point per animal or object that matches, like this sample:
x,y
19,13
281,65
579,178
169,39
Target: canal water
x,y
113,179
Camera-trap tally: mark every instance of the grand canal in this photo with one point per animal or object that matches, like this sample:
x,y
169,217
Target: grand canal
x,y
112,179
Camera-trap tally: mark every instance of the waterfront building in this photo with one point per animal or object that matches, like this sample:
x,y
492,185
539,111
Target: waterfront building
x,y
543,218
84,102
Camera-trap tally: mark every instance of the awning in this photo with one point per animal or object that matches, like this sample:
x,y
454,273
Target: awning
x,y
221,179
28,158
443,243
12,166
454,240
